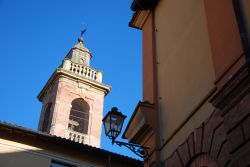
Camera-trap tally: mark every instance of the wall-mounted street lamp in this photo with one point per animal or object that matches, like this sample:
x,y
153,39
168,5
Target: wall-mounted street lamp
x,y
113,123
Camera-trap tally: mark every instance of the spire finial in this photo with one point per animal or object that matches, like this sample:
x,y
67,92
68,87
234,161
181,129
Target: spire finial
x,y
80,39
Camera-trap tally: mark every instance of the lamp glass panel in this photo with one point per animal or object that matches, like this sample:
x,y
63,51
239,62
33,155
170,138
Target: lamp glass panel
x,y
107,124
116,122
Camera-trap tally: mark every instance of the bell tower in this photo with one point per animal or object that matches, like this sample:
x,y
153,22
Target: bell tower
x,y
73,98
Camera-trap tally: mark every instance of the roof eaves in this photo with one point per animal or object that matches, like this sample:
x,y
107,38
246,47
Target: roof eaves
x,y
133,115
131,23
143,5
65,142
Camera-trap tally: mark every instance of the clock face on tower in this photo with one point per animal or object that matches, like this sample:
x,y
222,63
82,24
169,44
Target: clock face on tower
x,y
82,60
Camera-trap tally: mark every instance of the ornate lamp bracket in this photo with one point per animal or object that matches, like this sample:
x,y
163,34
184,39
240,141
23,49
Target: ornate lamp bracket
x,y
135,148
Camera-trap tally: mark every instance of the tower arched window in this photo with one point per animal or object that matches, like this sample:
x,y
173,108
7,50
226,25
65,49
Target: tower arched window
x,y
45,125
79,116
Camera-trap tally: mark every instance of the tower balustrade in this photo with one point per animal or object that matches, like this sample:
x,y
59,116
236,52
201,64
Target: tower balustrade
x,y
82,70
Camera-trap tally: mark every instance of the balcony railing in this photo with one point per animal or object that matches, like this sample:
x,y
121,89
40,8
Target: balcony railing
x,y
77,137
82,70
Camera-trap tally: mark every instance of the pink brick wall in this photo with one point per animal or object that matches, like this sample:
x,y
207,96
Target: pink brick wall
x,y
61,93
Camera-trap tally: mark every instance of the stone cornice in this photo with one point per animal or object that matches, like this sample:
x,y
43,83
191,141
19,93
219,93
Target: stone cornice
x,y
233,91
60,72
140,125
139,19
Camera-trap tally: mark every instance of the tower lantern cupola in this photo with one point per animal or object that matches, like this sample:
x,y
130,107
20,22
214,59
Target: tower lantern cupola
x,y
80,54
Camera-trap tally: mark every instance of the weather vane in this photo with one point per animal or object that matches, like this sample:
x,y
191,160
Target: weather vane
x,y
80,39
83,31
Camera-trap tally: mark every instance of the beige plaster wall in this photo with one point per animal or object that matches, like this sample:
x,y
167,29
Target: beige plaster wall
x,y
10,157
185,69
225,40
30,152
15,154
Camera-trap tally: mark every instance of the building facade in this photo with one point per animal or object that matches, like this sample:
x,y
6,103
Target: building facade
x,y
195,106
73,99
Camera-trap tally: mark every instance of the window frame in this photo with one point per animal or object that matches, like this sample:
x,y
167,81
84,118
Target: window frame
x,y
81,107
46,118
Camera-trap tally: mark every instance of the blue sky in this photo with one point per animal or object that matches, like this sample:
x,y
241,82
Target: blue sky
x,y
36,35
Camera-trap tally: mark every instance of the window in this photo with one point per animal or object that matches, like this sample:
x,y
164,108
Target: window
x,y
79,116
242,12
45,125
60,164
